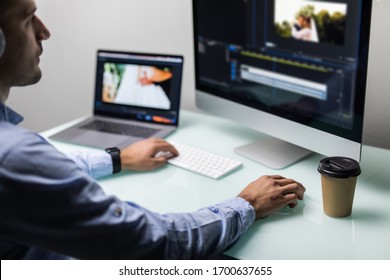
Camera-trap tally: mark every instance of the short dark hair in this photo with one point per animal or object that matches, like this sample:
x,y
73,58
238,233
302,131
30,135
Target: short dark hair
x,y
4,5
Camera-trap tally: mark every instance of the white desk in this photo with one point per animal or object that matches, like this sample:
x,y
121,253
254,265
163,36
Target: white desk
x,y
301,233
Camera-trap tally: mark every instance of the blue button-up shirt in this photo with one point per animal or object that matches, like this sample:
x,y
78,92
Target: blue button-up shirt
x,y
52,208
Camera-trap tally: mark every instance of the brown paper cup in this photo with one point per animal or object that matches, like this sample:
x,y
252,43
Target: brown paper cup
x,y
338,180
337,195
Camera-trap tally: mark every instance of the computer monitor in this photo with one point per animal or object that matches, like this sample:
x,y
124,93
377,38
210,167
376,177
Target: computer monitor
x,y
292,69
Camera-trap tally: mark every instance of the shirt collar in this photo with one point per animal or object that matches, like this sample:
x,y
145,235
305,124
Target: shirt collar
x,y
8,115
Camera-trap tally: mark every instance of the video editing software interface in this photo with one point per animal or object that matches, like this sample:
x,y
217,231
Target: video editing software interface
x,y
297,59
139,86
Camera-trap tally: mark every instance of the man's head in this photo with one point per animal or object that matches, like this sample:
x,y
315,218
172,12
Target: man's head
x,y
24,33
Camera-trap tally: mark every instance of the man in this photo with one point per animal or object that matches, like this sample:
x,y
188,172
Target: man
x,y
52,208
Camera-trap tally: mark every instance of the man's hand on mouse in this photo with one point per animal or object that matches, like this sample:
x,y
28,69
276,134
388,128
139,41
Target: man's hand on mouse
x,y
271,193
141,156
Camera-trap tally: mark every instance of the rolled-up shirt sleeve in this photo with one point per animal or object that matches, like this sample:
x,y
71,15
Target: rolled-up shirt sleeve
x,y
47,201
209,231
96,164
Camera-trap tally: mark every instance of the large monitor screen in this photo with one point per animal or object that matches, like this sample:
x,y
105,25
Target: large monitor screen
x,y
301,60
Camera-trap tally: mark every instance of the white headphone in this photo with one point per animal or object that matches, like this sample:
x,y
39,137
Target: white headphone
x,y
2,42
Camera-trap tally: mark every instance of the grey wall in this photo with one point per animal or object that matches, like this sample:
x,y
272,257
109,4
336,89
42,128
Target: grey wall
x,y
79,28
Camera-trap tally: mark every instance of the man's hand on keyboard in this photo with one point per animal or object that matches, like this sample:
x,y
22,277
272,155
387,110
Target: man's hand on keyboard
x,y
141,156
271,193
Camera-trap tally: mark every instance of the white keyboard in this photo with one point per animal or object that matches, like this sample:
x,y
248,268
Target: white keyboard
x,y
202,162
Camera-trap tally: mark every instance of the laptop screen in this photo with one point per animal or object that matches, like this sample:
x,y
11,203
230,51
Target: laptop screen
x,y
139,86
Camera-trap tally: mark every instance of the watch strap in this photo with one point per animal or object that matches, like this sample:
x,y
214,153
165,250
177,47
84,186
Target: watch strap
x,y
116,159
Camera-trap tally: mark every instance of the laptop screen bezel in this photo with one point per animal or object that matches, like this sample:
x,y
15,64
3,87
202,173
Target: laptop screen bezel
x,y
133,112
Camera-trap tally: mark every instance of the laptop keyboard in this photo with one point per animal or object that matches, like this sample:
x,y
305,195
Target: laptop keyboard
x,y
119,128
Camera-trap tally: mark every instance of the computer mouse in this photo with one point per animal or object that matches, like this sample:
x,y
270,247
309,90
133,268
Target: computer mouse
x,y
165,154
287,210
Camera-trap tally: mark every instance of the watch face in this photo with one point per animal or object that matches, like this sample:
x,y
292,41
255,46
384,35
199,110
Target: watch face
x,y
112,150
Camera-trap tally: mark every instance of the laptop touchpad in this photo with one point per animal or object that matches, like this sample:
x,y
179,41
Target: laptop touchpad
x,y
102,140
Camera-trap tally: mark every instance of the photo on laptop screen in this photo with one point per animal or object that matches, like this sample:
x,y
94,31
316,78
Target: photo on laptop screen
x,y
138,85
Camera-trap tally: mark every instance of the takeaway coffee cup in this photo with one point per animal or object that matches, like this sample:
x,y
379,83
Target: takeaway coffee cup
x,y
338,179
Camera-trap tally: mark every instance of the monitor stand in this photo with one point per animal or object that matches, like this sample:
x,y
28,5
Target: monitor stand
x,y
273,152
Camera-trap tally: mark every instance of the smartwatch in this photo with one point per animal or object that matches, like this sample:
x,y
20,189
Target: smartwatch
x,y
116,159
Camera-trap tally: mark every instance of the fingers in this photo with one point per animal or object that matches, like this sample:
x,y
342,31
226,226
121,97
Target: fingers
x,y
276,177
291,200
288,191
294,188
159,161
289,186
291,191
160,145
169,148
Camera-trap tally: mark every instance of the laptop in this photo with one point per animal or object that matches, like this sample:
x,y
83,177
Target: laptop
x,y
137,96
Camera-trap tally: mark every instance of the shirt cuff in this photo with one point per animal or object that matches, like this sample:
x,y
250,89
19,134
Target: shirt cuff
x,y
244,208
96,164
240,206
